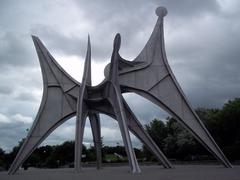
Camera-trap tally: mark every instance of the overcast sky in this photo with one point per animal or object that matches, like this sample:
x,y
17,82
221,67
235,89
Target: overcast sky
x,y
202,43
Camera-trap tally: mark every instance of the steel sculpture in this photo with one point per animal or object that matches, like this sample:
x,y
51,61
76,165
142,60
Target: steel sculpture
x,y
148,75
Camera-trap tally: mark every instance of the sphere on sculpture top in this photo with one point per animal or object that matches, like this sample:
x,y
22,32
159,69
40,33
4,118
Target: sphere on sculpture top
x,y
161,11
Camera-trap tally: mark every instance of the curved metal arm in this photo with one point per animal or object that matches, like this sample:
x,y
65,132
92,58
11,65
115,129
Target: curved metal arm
x,y
156,82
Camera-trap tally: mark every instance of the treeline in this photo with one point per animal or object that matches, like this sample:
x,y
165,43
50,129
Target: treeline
x,y
176,142
62,155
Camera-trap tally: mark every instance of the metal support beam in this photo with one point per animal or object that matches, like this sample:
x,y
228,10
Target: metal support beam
x,y
96,132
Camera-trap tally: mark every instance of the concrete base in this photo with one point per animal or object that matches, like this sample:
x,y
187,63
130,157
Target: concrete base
x,y
180,172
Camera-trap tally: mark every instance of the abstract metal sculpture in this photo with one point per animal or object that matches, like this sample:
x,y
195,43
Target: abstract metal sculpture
x,y
148,75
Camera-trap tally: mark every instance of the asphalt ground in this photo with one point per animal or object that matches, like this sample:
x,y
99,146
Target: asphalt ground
x,y
179,172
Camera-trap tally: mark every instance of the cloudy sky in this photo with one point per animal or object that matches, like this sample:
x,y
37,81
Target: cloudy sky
x,y
202,43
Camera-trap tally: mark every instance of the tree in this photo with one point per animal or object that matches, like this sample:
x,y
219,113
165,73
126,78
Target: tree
x,y
179,143
158,131
2,158
224,125
229,120
174,140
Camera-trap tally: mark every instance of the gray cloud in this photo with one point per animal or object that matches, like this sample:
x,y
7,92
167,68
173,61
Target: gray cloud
x,y
14,51
59,42
26,96
13,130
5,89
191,7
144,110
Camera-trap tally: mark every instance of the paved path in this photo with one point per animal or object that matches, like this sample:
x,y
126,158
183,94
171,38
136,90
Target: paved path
x,y
180,172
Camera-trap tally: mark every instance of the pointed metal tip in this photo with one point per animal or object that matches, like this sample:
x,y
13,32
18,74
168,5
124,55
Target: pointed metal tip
x,y
88,38
117,42
89,44
34,37
118,35
88,54
87,65
89,41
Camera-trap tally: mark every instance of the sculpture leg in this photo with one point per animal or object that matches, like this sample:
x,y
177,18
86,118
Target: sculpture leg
x,y
121,118
138,130
80,124
54,95
30,144
42,127
96,132
151,145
